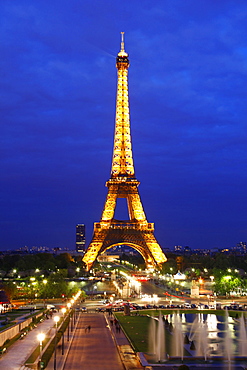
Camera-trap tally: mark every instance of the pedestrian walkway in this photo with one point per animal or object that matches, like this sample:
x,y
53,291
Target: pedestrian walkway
x,y
18,353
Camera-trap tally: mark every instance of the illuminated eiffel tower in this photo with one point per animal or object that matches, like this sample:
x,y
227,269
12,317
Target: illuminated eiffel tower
x,y
137,232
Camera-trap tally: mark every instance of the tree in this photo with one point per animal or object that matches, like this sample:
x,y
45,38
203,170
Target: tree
x,y
64,260
10,289
225,284
170,266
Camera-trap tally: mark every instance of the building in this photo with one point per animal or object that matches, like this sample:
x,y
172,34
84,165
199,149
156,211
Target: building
x,y
108,258
80,238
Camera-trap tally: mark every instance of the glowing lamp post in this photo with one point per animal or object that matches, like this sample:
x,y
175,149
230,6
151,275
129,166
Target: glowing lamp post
x,y
56,319
72,314
40,337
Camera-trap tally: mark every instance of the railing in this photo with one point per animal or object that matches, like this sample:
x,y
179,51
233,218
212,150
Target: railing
x,y
124,225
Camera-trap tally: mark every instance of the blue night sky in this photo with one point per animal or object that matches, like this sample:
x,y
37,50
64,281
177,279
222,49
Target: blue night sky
x,y
187,89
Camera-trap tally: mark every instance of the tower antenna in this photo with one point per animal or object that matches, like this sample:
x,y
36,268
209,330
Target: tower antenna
x,y
122,41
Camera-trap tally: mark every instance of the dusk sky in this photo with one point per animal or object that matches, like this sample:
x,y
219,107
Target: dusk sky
x,y
188,108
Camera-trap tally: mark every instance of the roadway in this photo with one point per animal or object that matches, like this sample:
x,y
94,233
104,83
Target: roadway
x,y
151,289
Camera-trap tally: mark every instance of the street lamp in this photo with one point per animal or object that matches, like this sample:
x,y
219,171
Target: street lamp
x,y
40,337
63,312
56,319
68,305
44,297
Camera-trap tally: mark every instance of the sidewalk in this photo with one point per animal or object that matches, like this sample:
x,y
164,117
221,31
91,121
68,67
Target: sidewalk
x,y
125,350
18,353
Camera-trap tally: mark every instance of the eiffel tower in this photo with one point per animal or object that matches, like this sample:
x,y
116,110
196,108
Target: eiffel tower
x,y
137,232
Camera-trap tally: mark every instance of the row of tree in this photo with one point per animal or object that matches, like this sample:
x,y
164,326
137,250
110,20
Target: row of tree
x,y
54,286
52,262
228,271
219,261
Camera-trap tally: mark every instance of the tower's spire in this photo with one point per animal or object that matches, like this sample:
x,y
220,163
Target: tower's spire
x,y
122,52
122,161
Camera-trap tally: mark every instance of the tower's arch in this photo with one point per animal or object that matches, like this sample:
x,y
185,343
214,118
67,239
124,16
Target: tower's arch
x,y
140,249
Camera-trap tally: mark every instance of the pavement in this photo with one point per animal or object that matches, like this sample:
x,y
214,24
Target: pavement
x,y
93,349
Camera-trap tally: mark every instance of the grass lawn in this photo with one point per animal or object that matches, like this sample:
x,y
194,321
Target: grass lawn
x,y
35,354
136,329
15,313
11,316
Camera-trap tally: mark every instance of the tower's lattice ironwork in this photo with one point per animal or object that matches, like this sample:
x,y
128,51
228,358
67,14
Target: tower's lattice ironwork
x,y
137,232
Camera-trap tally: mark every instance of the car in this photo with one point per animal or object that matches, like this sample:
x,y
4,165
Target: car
x,y
101,309
187,305
50,307
137,307
118,301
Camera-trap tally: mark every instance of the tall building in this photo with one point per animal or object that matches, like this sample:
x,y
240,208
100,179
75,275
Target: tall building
x,y
80,238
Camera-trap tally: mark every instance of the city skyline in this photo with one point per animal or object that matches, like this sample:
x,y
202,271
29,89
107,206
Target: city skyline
x,y
187,91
